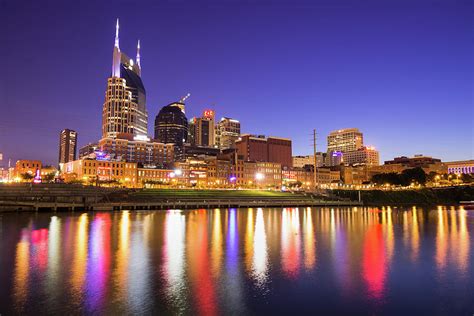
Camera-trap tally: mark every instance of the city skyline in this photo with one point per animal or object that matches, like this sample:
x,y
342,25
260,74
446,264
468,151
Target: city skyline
x,y
166,71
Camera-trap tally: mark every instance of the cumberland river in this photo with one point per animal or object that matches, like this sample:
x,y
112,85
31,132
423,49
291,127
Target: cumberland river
x,y
239,261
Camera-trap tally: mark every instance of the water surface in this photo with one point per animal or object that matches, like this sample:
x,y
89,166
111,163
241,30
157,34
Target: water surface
x,y
292,260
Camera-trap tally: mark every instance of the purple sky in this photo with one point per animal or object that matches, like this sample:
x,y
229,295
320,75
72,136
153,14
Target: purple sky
x,y
402,71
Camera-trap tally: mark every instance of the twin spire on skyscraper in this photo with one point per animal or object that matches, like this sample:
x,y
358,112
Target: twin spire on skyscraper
x,y
117,54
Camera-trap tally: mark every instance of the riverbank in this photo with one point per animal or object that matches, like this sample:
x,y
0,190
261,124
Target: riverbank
x,y
66,197
424,196
63,197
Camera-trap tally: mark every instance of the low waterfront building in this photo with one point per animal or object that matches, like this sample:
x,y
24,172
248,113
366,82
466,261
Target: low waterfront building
x,y
93,171
154,177
460,167
23,167
413,162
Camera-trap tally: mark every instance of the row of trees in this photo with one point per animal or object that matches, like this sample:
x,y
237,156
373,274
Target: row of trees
x,y
418,176
407,177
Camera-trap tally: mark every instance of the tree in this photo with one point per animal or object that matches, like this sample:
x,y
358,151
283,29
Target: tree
x,y
413,175
467,178
27,176
49,177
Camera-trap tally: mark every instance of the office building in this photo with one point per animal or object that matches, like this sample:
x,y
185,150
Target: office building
x,y
67,146
171,127
202,130
363,155
124,113
343,140
259,148
227,132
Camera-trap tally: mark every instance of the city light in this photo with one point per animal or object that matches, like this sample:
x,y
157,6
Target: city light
x,y
259,176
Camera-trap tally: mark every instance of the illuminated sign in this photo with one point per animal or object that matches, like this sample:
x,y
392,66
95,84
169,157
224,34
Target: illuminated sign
x,y
100,155
208,114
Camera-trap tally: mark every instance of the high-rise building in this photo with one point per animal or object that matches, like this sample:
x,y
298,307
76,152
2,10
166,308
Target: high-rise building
x,y
202,130
364,155
259,148
227,132
171,126
343,140
67,146
124,113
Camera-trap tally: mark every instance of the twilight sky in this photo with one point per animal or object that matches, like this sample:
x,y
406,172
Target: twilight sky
x,y
402,71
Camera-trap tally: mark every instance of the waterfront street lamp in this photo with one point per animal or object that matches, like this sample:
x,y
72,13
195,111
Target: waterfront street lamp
x,y
258,178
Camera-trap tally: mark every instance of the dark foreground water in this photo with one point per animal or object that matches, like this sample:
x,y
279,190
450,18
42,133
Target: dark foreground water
x,y
239,261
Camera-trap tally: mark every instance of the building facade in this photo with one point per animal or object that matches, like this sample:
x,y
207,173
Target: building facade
x,y
171,127
88,149
93,171
460,167
259,148
363,155
144,152
227,132
343,140
202,130
67,145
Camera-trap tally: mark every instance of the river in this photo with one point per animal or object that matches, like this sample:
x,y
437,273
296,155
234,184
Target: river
x,y
239,261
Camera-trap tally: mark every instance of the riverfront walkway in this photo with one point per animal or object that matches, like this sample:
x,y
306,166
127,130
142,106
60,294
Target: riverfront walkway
x,y
64,197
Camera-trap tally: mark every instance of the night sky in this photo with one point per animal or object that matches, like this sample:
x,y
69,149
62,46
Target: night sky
x,y
401,71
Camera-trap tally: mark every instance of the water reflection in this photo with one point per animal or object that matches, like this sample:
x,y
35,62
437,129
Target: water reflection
x,y
173,257
237,261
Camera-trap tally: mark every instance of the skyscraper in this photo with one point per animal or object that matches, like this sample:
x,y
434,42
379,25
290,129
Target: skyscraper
x,y
227,132
124,113
171,126
202,129
67,146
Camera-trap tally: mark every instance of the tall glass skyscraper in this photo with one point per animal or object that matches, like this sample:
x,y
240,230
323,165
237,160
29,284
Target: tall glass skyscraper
x,y
124,113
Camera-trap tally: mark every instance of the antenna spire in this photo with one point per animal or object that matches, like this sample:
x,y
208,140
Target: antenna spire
x,y
117,34
138,54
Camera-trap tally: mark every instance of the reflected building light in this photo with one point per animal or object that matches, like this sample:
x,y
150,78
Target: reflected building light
x,y
233,293
389,235
415,235
309,240
22,271
249,240
173,255
122,257
54,258
441,239
198,264
79,264
290,242
374,262
98,265
217,243
139,281
39,251
260,252
463,254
